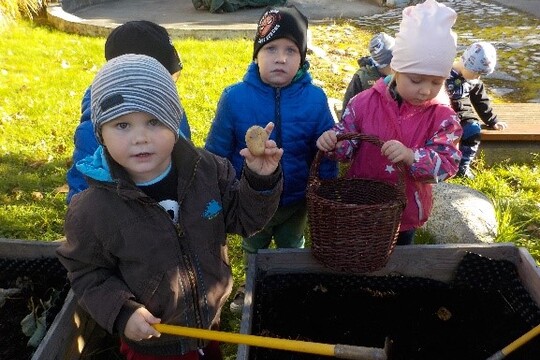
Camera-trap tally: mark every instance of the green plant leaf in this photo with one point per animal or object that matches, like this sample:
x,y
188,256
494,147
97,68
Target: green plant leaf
x,y
28,324
39,331
7,293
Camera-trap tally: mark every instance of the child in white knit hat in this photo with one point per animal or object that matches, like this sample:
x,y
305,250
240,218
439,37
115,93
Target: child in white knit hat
x,y
470,100
147,241
409,114
372,67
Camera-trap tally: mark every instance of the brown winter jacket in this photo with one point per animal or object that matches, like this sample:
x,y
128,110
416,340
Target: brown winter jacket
x,y
123,251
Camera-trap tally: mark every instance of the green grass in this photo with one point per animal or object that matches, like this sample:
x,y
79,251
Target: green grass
x,y
515,192
44,73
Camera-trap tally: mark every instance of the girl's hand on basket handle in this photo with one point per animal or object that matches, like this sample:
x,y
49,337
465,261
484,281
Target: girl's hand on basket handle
x,y
327,141
395,151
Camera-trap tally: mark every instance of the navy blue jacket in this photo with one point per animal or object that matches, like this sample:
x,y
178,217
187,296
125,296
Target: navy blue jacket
x,y
469,99
86,144
300,113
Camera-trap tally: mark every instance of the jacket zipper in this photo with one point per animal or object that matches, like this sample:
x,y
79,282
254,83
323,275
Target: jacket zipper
x,y
277,115
191,277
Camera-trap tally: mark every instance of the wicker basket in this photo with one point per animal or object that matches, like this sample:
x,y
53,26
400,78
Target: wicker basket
x,y
354,222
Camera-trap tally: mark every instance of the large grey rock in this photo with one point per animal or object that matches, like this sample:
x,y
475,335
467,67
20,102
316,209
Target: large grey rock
x,y
461,215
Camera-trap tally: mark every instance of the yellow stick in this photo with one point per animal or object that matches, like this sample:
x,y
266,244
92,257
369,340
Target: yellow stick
x,y
516,344
342,351
266,342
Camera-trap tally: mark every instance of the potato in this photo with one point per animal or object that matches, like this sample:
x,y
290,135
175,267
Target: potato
x,y
256,138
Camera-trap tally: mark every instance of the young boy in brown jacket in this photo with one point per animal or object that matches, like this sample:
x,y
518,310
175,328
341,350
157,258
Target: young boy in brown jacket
x,y
146,243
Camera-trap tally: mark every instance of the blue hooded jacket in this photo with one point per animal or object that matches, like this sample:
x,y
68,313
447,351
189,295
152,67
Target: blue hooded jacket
x,y
86,144
300,113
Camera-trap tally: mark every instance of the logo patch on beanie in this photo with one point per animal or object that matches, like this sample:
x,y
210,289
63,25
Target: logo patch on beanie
x,y
111,102
268,25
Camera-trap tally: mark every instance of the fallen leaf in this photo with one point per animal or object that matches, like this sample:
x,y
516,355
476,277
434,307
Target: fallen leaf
x,y
36,195
62,189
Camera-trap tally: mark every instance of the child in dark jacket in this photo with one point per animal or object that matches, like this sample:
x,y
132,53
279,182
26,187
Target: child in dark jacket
x,y
146,242
373,67
278,88
470,100
133,37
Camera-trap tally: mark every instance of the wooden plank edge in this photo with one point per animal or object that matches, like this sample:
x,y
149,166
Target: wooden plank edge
x,y
247,311
501,136
27,249
529,273
61,334
437,262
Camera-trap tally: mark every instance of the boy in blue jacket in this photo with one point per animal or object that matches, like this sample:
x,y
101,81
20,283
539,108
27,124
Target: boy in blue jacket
x,y
276,88
134,37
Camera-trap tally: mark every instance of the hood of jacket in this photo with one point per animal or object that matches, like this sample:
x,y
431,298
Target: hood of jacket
x,y
96,166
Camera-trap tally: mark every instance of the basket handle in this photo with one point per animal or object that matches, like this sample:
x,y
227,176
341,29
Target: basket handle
x,y
314,170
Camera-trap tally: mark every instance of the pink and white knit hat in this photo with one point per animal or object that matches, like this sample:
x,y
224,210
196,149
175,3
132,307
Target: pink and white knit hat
x,y
425,43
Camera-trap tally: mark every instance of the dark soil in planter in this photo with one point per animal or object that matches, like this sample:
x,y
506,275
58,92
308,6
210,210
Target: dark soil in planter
x,y
37,279
483,310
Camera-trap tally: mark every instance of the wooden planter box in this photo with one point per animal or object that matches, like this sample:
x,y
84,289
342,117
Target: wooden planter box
x,y
27,259
435,262
73,335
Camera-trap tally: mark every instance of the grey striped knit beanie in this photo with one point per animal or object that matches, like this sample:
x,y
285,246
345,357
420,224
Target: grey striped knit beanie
x,y
132,83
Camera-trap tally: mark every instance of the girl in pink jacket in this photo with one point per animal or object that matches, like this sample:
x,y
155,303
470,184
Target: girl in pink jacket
x,y
409,113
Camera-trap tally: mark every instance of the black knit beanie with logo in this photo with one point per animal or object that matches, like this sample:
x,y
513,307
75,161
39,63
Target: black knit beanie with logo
x,y
144,38
282,22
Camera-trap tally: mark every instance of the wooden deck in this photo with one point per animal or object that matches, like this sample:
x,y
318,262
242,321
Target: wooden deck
x,y
523,123
520,141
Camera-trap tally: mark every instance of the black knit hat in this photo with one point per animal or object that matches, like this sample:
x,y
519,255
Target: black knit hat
x,y
282,22
144,38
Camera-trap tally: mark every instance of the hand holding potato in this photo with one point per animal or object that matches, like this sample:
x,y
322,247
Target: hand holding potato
x,y
256,137
262,155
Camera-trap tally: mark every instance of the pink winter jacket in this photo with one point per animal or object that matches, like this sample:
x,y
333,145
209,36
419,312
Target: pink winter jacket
x,y
431,130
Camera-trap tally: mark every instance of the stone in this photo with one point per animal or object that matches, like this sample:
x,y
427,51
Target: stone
x,y
461,215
